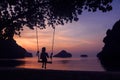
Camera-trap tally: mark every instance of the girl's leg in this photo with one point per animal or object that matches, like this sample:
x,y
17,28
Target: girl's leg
x,y
42,64
45,65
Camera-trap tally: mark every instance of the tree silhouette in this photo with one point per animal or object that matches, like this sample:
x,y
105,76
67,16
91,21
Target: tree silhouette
x,y
14,14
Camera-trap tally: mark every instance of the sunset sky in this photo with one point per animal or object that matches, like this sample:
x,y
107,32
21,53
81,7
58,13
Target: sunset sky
x,y
82,37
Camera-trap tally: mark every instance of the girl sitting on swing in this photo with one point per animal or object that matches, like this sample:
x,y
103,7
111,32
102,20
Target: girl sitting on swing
x,y
43,57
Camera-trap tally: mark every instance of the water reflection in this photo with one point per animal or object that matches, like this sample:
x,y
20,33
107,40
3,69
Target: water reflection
x,y
65,61
110,65
86,64
10,62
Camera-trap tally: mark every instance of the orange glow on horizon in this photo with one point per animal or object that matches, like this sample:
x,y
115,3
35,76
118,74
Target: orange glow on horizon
x,y
64,40
61,43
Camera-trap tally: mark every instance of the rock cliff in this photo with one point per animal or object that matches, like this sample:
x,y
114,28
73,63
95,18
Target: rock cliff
x,y
10,49
110,54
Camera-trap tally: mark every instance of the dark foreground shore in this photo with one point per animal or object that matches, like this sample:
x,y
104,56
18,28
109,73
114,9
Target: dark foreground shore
x,y
36,74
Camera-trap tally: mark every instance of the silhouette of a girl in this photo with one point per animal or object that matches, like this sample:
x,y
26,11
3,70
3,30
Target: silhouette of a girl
x,y
43,57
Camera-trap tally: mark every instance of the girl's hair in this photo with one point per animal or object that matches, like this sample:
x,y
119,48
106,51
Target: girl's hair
x,y
43,49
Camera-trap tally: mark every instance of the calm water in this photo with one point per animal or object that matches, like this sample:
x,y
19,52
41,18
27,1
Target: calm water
x,y
81,64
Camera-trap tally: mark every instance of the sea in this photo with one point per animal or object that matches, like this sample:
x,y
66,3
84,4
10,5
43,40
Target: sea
x,y
75,64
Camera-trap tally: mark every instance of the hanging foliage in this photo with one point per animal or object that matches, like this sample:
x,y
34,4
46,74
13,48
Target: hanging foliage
x,y
14,14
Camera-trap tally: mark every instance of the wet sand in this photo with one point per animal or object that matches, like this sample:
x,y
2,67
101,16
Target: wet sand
x,y
40,74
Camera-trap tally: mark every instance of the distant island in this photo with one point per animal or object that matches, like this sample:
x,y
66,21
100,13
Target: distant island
x,y
10,49
83,55
63,54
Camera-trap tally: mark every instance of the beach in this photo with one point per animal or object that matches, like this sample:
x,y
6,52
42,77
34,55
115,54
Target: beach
x,y
40,74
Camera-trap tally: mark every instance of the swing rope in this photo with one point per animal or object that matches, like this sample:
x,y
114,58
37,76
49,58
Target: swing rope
x,y
37,42
53,40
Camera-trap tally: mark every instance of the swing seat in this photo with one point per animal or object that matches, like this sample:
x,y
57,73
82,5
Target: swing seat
x,y
50,62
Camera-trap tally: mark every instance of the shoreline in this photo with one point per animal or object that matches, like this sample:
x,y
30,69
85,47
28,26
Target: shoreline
x,y
40,74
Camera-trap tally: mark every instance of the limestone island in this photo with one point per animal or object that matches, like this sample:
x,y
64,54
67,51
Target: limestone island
x,y
63,54
83,55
